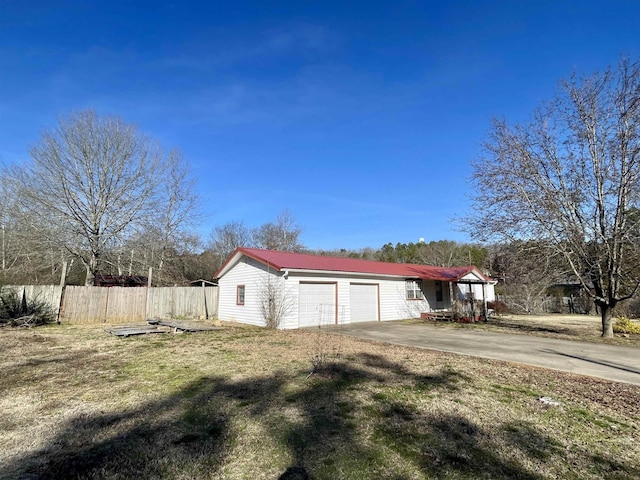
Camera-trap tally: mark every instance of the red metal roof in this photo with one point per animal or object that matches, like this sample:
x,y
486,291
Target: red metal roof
x,y
300,261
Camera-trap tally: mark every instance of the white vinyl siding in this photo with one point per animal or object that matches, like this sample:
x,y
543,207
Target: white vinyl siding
x,y
250,274
394,304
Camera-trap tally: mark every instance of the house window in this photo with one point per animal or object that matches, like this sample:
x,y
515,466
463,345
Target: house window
x,y
414,290
438,291
240,295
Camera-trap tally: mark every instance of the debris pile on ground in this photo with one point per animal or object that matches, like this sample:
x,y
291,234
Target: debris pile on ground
x,y
160,326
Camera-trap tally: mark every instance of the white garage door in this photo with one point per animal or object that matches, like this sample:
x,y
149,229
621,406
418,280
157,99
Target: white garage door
x,y
364,302
317,304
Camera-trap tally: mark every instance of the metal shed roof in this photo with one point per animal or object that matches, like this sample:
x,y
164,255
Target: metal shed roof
x,y
304,262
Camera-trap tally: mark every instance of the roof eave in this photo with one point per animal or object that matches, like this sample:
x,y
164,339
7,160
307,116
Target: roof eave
x,y
235,257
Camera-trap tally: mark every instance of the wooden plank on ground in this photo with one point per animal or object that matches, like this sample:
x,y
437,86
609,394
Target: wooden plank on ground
x,y
134,330
183,326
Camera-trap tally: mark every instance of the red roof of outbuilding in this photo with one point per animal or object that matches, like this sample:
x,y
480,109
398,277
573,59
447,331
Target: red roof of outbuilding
x,y
300,261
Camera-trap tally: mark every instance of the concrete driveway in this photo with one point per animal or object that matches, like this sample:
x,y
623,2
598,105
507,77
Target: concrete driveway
x,y
620,364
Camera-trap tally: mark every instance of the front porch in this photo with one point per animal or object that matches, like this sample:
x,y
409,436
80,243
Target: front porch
x,y
468,303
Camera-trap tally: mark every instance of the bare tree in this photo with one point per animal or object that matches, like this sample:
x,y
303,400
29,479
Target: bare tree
x,y
226,238
283,234
570,178
447,253
177,208
98,180
526,272
26,253
275,300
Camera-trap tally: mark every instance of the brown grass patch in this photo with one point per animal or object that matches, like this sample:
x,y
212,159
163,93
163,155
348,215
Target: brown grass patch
x,y
76,402
582,328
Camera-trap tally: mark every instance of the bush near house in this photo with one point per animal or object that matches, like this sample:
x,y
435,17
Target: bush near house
x,y
17,311
624,325
498,307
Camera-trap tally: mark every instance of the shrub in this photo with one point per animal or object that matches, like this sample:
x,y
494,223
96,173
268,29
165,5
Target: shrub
x,y
498,307
16,311
624,325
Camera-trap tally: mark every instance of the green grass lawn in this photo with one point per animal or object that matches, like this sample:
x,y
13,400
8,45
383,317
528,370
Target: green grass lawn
x,y
239,403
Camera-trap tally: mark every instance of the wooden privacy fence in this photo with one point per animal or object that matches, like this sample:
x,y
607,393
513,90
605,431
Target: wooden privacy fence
x,y
85,305
122,304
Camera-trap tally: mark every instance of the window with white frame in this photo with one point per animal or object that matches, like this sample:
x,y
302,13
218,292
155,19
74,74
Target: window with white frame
x,y
414,290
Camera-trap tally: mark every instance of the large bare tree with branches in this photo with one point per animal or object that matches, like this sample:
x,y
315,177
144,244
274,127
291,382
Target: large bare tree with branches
x,y
98,180
570,179
283,234
226,238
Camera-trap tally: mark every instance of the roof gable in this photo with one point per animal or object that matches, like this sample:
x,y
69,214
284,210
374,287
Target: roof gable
x,y
300,261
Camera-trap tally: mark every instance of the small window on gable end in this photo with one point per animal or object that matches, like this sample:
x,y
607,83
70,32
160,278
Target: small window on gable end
x,y
240,295
414,290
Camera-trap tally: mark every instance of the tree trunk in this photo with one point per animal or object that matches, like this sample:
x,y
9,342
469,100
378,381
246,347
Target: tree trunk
x,y
606,312
92,269
90,278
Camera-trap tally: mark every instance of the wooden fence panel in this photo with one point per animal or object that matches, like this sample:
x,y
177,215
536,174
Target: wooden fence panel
x,y
211,296
84,305
185,302
126,304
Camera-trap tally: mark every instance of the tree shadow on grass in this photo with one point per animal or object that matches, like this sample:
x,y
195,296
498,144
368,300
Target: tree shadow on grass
x,y
519,327
185,434
330,426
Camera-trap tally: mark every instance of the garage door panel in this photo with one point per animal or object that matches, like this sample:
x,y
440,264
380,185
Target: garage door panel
x,y
364,302
317,304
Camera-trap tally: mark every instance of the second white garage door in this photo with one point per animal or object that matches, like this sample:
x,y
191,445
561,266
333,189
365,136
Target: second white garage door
x,y
317,304
364,302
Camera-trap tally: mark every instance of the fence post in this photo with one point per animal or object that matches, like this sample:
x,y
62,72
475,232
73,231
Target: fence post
x,y
204,294
146,301
106,306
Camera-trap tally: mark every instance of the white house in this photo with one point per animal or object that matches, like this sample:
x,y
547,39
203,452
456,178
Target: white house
x,y
312,290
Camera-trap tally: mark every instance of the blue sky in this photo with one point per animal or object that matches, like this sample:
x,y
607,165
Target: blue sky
x,y
359,117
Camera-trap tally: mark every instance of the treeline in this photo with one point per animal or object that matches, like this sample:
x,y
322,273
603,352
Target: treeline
x,y
30,256
442,253
528,281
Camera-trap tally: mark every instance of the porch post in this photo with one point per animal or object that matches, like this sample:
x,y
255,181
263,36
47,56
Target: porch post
x,y
453,298
484,303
